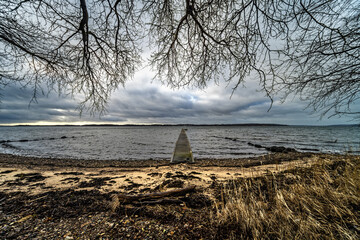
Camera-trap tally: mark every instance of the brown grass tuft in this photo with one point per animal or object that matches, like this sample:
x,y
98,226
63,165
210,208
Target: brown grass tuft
x,y
319,202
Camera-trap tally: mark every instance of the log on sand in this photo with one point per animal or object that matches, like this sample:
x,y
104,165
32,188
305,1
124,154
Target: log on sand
x,y
151,198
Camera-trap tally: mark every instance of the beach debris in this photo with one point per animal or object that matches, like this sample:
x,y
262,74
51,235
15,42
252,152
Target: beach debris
x,y
70,179
30,177
7,171
173,183
182,151
151,198
69,173
95,182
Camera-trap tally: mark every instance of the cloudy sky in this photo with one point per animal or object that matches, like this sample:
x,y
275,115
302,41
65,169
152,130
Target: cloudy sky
x,y
146,101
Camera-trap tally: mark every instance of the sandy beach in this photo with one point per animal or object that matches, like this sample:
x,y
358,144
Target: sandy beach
x,y
78,199
35,176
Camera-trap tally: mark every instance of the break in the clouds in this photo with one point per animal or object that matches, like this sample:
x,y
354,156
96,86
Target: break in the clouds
x,y
146,101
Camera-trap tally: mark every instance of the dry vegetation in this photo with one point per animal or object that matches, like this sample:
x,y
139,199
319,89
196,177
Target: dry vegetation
x,y
320,202
287,196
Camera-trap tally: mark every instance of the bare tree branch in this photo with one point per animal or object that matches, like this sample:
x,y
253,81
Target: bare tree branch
x,y
302,47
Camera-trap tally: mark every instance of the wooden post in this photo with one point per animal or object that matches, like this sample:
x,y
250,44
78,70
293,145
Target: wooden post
x,y
182,151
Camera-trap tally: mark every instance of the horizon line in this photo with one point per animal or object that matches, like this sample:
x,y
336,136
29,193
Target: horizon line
x,y
166,124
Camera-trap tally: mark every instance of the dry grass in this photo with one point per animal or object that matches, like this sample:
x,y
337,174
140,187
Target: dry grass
x,y
320,202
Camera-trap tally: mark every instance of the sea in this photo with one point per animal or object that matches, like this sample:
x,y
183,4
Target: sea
x,y
158,142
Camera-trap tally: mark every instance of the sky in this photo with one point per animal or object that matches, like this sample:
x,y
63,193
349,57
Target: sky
x,y
144,100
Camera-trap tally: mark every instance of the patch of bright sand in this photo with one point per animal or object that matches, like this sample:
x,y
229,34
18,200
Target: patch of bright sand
x,y
130,180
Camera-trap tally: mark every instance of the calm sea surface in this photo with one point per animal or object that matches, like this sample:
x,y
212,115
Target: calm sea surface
x,y
157,142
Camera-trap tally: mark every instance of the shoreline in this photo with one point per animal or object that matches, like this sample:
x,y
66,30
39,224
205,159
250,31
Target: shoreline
x,y
43,198
12,159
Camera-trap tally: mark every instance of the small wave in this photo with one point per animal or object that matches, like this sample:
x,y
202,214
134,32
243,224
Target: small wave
x,y
34,140
140,144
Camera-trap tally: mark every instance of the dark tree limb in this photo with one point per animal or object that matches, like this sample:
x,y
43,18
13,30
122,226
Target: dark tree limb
x,y
307,48
155,195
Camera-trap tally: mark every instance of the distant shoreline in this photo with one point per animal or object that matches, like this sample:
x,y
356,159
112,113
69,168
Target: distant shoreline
x,y
183,125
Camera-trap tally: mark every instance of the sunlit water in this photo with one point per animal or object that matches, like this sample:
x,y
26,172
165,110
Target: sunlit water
x,y
157,142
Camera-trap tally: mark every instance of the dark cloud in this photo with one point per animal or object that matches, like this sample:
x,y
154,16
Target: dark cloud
x,y
144,102
18,106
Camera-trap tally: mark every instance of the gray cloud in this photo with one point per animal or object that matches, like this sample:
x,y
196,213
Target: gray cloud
x,y
17,106
143,101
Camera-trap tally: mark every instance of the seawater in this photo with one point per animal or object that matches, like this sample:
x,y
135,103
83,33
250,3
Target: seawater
x,y
157,142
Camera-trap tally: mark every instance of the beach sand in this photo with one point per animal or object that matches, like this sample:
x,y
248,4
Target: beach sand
x,y
35,176
74,199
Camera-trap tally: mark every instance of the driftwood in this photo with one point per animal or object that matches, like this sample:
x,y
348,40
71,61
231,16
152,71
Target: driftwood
x,y
156,195
159,201
151,198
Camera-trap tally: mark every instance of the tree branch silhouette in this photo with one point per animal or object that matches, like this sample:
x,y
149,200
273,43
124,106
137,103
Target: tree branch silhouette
x,y
291,47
